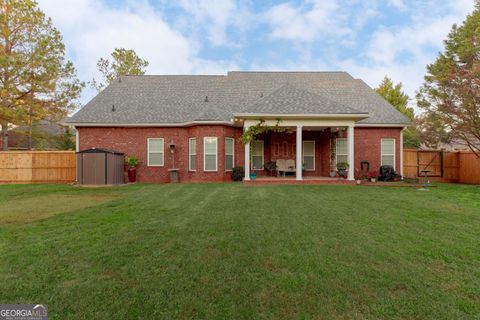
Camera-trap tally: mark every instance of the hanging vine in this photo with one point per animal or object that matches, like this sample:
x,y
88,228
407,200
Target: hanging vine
x,y
252,132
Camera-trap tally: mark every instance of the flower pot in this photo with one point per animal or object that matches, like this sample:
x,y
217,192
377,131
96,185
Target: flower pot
x,y
253,176
359,182
372,179
332,174
342,172
132,175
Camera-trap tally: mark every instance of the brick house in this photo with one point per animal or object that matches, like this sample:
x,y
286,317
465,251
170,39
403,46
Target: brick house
x,y
328,117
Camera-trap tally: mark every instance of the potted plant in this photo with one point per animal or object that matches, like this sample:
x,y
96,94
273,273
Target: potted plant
x,y
271,167
358,176
342,169
372,175
132,163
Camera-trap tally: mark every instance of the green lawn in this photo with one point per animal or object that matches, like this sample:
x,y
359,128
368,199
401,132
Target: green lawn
x,y
227,251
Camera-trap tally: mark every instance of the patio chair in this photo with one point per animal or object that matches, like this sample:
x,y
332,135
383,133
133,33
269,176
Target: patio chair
x,y
281,166
290,164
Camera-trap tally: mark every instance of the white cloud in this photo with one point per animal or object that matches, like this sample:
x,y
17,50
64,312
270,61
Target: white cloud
x,y
399,4
400,50
403,53
92,30
306,23
216,17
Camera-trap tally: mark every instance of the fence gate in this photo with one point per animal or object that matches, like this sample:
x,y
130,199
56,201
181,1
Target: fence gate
x,y
430,160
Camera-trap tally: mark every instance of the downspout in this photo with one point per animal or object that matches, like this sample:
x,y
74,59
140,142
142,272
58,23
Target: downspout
x,y
401,151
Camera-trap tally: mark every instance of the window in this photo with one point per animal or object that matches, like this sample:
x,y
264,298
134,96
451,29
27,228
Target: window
x,y
229,147
388,152
210,154
342,150
309,155
192,154
257,156
277,149
155,152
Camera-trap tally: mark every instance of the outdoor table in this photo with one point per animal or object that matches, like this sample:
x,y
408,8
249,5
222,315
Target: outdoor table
x,y
425,176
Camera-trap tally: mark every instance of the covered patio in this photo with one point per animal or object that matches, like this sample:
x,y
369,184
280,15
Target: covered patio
x,y
306,143
307,118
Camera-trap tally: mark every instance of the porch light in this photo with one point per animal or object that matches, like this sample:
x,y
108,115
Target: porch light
x,y
172,146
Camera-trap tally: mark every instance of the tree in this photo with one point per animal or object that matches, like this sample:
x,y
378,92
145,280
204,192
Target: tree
x,y
124,62
399,99
66,141
36,81
450,94
431,132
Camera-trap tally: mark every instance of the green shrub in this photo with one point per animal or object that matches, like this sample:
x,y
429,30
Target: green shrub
x,y
132,161
342,166
238,173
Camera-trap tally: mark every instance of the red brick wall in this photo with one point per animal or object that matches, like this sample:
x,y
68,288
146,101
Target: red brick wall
x,y
133,141
368,144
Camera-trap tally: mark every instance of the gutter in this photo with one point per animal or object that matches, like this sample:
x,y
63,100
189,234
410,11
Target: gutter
x,y
179,124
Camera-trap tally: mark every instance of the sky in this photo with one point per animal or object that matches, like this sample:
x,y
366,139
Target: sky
x,y
366,38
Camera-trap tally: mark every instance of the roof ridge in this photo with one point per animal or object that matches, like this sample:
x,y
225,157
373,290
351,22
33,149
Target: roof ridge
x,y
173,75
289,71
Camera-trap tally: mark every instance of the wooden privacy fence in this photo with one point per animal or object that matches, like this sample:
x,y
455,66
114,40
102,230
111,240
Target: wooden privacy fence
x,y
37,166
445,166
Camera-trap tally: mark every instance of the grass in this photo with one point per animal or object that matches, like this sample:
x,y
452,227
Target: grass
x,y
227,251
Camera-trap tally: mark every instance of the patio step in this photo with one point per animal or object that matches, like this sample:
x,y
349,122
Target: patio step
x,y
277,181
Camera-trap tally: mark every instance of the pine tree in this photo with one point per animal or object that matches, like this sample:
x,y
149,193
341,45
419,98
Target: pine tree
x,y
399,99
124,62
36,82
67,142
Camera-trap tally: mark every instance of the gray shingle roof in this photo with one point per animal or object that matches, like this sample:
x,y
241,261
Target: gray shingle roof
x,y
290,100
179,99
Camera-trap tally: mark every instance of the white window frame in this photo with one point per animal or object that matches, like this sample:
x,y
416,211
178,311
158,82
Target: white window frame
x,y
263,154
192,154
303,155
336,150
394,149
233,153
210,154
148,153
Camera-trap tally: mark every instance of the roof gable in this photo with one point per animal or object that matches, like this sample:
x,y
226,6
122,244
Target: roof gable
x,y
290,100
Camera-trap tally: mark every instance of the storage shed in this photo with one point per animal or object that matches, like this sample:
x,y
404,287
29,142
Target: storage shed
x,y
100,166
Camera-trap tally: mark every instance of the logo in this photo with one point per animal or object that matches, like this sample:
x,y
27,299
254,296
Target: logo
x,y
23,312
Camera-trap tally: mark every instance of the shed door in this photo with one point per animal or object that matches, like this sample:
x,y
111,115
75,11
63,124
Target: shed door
x,y
93,168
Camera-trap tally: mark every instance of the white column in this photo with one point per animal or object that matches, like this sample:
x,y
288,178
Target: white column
x,y
401,152
299,163
351,150
247,159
